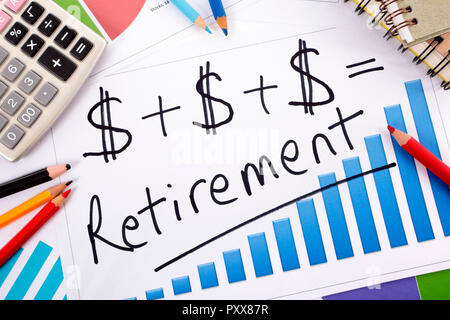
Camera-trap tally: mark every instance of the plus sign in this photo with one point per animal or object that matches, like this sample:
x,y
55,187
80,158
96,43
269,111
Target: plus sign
x,y
56,63
31,45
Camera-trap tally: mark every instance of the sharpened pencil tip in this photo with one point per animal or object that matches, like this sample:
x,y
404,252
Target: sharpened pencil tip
x,y
68,183
225,31
391,129
66,194
208,30
68,166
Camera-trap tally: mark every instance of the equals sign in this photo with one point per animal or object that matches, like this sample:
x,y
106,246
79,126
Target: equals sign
x,y
81,48
364,71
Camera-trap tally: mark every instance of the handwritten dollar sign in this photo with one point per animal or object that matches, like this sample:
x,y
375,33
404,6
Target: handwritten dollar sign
x,y
207,100
307,80
108,131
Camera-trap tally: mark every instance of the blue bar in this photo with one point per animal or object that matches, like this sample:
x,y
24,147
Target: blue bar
x,y
311,232
361,206
181,285
336,217
410,179
286,244
154,294
234,266
51,283
29,272
208,275
7,267
427,138
260,254
386,194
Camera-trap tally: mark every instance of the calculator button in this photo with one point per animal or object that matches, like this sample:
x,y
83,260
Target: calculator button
x,y
29,82
13,70
3,55
81,49
49,25
12,137
12,103
3,88
46,94
32,46
65,37
16,33
3,122
33,12
57,63
4,20
29,115
15,5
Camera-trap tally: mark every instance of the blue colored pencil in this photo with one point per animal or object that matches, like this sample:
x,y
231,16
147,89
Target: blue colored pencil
x,y
219,14
190,13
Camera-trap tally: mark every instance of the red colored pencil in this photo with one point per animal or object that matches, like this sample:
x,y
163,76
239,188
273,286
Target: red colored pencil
x,y
422,154
32,227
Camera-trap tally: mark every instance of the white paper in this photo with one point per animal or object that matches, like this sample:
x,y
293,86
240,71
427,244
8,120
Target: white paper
x,y
188,154
154,27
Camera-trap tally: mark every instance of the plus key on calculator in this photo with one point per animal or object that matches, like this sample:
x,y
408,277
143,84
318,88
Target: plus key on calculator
x,y
45,57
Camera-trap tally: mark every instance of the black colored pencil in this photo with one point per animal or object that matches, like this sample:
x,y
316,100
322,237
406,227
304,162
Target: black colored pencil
x,y
32,179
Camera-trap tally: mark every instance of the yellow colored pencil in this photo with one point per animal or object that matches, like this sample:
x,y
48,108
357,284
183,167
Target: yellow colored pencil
x,y
32,204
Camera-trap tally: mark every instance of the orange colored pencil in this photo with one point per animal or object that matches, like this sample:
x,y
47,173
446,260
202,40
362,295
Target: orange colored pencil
x,y
32,204
32,227
422,154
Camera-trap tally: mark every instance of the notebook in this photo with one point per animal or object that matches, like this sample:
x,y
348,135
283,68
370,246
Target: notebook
x,y
435,51
420,20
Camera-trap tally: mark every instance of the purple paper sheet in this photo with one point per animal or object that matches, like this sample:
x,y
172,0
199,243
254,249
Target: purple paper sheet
x,y
405,289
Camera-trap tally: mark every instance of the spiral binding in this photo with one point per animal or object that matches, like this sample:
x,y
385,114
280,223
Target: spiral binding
x,y
394,31
440,66
389,19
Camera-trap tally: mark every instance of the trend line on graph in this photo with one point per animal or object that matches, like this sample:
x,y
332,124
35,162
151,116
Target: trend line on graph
x,y
270,211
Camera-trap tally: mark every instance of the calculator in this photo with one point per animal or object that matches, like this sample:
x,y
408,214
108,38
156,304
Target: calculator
x,y
45,56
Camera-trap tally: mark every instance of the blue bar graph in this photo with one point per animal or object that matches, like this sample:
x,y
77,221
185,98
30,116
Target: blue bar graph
x,y
410,179
336,217
234,265
181,285
311,232
361,206
208,275
386,194
427,138
154,294
29,272
260,254
7,267
286,244
51,283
